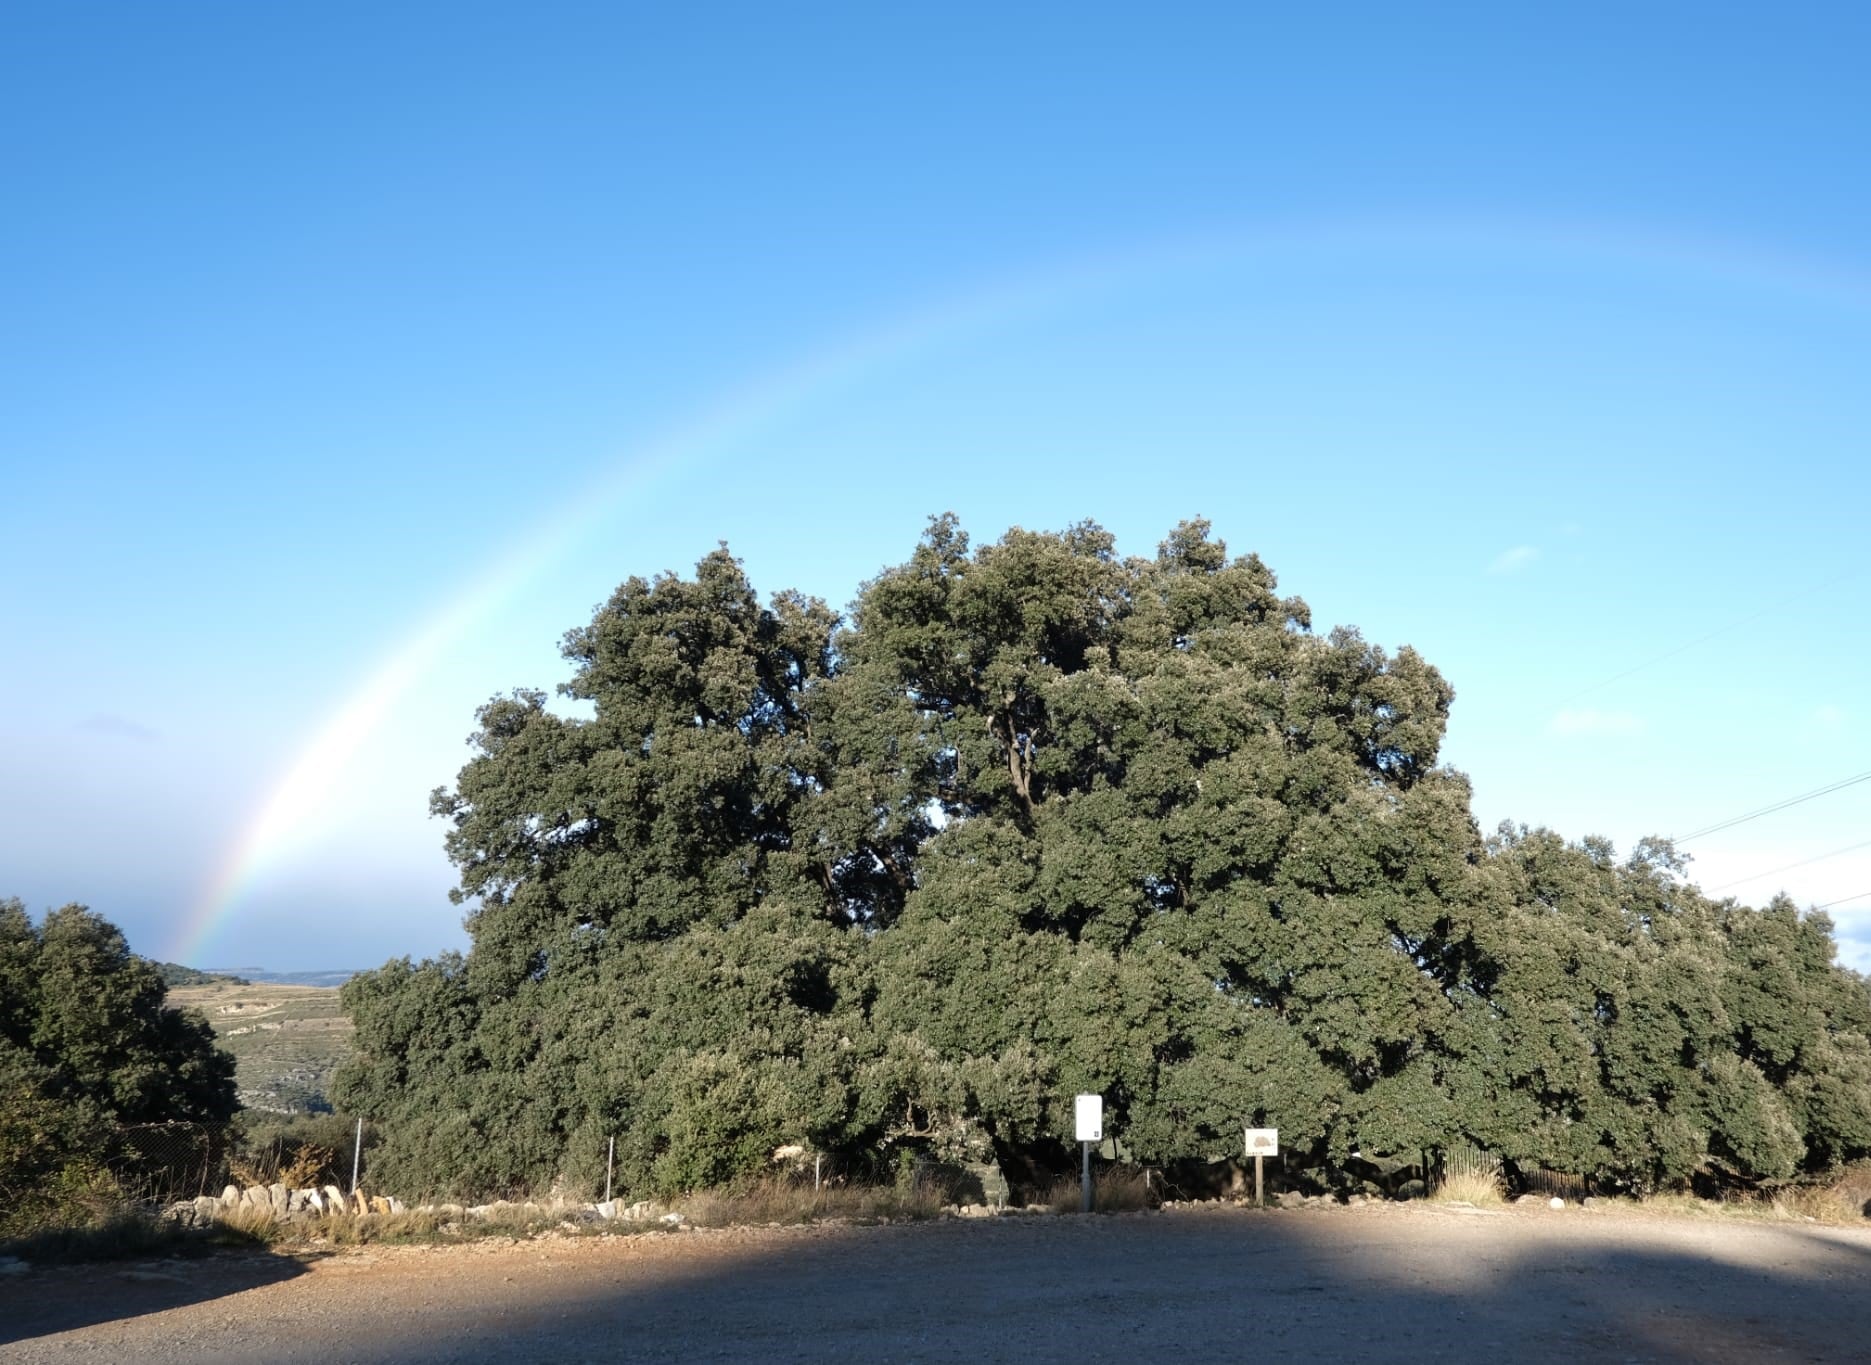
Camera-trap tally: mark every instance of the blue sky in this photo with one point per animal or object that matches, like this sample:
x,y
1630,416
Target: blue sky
x,y
349,355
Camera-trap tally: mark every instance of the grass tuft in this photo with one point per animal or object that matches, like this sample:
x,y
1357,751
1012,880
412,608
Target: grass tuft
x,y
1480,1188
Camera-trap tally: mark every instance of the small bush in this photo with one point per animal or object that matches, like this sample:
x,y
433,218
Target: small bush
x,y
299,1152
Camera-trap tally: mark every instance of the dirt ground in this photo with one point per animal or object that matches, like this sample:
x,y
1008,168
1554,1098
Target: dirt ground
x,y
1391,1282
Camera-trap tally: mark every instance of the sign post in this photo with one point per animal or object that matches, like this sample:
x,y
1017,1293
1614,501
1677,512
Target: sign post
x,y
1261,1144
1088,1110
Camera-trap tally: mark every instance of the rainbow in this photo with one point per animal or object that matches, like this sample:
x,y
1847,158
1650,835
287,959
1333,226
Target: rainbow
x,y
310,779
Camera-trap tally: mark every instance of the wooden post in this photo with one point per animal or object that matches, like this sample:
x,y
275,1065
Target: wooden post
x,y
1259,1197
610,1160
1084,1192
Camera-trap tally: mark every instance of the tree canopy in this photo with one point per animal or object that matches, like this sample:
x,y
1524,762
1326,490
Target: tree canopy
x,y
1034,819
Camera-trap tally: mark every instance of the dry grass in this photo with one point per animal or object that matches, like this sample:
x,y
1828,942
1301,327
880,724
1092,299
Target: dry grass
x,y
391,1229
129,1231
1118,1189
1479,1188
777,1201
1844,1199
425,1226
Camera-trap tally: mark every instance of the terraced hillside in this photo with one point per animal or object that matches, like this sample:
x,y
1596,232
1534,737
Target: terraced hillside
x,y
286,1040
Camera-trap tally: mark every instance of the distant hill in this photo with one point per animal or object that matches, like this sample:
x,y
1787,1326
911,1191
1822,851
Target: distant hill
x,y
175,974
286,1033
331,978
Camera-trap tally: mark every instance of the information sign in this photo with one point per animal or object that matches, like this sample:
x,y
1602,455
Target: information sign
x,y
1089,1110
1263,1141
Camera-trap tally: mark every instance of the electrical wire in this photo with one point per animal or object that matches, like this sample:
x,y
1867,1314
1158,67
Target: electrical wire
x,y
1808,594
1788,867
1813,795
1858,896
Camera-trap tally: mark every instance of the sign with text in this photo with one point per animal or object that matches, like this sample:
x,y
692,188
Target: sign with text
x,y
1089,1109
1263,1141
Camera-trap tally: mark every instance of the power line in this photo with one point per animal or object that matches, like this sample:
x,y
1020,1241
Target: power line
x,y
1788,867
1778,604
1813,795
1842,899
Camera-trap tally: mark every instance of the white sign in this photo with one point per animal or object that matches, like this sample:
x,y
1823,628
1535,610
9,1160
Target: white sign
x,y
1263,1141
1090,1113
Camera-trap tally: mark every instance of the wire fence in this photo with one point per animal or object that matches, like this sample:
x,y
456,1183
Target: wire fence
x,y
165,1162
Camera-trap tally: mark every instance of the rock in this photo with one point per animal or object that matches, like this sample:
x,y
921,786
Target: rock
x,y
673,1219
1355,1200
360,1202
975,1211
256,1197
1529,1199
607,1210
230,1197
280,1196
1289,1199
1555,1203
1590,1202
295,1202
1412,1189
378,1204
315,1201
206,1207
183,1212
396,1205
334,1199
643,1210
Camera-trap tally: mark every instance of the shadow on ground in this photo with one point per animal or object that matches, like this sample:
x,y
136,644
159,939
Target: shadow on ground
x,y
1391,1284
65,1298
1216,1287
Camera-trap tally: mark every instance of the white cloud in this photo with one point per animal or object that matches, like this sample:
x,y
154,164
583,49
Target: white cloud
x,y
1514,560
1593,722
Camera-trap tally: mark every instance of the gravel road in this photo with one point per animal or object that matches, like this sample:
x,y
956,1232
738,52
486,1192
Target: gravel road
x,y
1390,1282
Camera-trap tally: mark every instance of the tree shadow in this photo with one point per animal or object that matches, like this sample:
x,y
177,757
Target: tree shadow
x,y
1388,1284
48,1300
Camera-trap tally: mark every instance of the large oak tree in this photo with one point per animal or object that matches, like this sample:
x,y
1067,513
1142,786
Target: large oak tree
x,y
1035,819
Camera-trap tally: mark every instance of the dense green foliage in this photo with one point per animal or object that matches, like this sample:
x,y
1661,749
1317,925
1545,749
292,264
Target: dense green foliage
x,y
1034,820
86,1045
